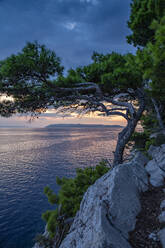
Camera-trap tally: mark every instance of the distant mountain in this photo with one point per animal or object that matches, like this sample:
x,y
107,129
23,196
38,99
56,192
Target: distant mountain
x,y
81,126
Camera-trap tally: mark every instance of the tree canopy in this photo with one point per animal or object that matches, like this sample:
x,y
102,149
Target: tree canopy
x,y
112,84
143,12
27,77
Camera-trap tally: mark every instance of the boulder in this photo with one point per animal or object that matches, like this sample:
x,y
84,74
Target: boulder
x,y
156,167
109,208
162,217
162,205
162,237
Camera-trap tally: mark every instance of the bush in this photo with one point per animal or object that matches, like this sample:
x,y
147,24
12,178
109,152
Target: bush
x,y
157,141
160,139
140,139
43,241
70,195
149,143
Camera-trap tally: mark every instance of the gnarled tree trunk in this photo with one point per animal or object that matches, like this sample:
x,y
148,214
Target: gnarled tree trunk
x,y
158,115
125,135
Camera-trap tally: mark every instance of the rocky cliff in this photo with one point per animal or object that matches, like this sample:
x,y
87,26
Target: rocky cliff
x,y
109,209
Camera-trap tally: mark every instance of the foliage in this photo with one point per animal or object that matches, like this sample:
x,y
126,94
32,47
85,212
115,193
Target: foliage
x,y
7,108
140,139
143,12
72,78
112,84
143,141
149,143
156,70
43,241
159,140
70,194
152,61
112,71
26,76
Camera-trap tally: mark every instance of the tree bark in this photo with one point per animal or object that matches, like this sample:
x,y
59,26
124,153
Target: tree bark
x,y
158,115
125,135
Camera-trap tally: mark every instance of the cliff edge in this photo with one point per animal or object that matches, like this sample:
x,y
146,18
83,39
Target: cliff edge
x,y
124,208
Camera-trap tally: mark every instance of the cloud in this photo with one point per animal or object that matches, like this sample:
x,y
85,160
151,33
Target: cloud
x,y
90,1
70,25
73,28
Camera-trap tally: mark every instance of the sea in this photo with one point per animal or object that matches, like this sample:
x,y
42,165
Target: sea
x,y
30,159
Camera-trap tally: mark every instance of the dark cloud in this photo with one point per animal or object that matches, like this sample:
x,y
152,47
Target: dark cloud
x,y
73,28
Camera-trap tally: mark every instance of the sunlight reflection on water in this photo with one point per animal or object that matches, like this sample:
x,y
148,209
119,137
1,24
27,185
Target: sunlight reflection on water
x,y
30,160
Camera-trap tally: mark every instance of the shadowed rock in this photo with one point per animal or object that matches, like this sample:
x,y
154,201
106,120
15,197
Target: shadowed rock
x,y
109,208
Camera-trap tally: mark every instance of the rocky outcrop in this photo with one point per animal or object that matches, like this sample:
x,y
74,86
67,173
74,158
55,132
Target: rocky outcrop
x,y
109,208
156,166
45,235
162,221
162,237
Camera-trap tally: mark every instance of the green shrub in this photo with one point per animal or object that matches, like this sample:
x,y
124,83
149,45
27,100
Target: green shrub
x,y
160,139
157,141
70,195
140,139
43,241
149,143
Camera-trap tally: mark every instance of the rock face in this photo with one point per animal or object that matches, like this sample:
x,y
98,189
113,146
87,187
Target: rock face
x,y
109,208
46,235
162,237
161,217
156,167
156,170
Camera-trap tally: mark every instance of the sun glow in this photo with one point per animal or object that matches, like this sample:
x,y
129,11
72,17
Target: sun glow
x,y
6,98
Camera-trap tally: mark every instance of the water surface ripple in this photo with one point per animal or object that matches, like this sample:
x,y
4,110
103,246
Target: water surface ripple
x,y
30,159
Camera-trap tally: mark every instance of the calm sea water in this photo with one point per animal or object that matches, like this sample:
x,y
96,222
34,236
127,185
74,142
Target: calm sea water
x,y
30,159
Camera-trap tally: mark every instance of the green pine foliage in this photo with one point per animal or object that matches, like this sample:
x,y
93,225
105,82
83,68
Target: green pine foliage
x,y
143,12
27,76
112,71
68,200
43,241
72,78
142,140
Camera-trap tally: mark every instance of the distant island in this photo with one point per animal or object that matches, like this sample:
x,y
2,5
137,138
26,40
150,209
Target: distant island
x,y
82,126
13,127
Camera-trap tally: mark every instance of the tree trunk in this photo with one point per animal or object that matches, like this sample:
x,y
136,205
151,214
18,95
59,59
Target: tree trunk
x,y
158,115
125,135
123,139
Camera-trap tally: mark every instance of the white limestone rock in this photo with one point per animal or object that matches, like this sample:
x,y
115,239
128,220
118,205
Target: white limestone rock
x,y
162,217
109,208
153,236
162,205
156,167
162,237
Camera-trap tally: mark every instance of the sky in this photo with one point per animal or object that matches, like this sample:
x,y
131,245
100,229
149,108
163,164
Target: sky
x,y
72,28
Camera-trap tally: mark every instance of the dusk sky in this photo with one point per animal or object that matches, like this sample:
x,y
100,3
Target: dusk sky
x,y
72,28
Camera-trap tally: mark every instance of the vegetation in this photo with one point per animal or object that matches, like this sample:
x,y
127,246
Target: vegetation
x,y
143,12
69,198
26,77
43,241
130,86
113,84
